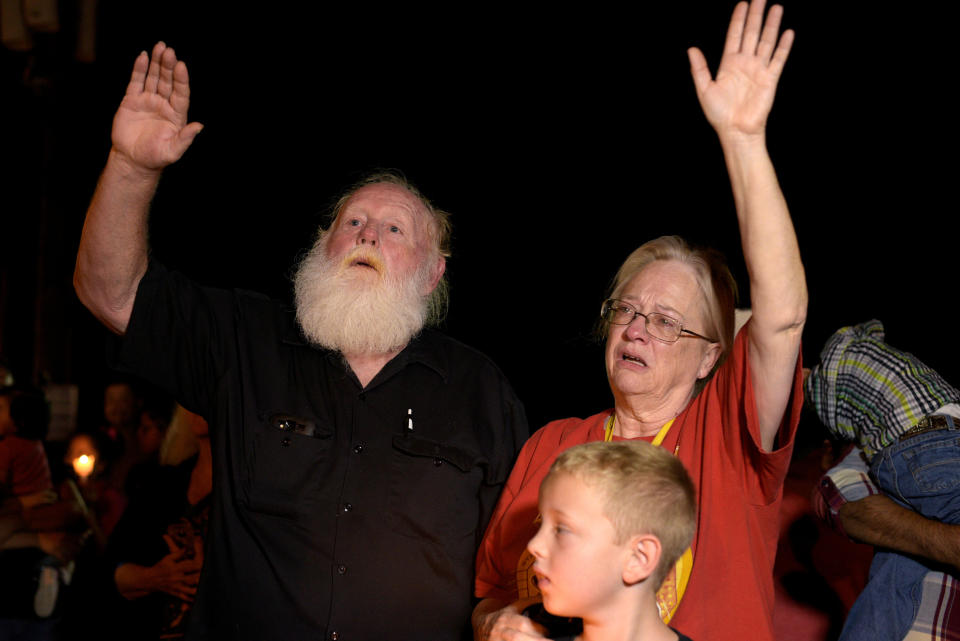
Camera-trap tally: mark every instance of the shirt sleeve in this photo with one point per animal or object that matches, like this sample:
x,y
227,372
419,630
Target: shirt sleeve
x,y
727,410
847,481
176,336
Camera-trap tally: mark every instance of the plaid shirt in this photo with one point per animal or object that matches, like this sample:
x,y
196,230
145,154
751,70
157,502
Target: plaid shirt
x,y
867,392
938,618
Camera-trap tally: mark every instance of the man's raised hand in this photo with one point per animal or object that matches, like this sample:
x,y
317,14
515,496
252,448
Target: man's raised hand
x,y
150,129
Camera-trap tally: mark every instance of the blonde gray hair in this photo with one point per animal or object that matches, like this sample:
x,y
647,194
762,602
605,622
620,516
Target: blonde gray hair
x,y
716,284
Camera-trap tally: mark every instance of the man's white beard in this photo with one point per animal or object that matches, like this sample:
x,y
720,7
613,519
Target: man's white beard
x,y
358,310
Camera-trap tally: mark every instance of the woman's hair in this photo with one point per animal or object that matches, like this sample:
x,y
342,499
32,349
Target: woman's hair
x,y
716,283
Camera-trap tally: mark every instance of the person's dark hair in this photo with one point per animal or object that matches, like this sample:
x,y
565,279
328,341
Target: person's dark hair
x,y
29,411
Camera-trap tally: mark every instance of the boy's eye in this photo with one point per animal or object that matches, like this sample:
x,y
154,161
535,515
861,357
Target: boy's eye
x,y
354,222
394,229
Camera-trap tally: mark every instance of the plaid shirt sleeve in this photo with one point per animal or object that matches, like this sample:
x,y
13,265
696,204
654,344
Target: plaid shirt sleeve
x,y
849,480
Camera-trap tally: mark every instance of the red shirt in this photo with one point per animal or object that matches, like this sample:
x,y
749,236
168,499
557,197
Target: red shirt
x,y
23,467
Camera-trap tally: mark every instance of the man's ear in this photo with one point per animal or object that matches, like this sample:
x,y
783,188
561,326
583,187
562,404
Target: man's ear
x,y
436,273
642,559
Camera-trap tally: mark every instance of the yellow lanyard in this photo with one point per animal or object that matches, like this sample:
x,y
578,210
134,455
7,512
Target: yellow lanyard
x,y
657,440
675,584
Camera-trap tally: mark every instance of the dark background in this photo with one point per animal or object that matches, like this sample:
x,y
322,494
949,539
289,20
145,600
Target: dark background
x,y
559,139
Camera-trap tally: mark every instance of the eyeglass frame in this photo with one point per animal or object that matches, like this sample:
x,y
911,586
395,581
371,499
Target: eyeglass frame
x,y
646,322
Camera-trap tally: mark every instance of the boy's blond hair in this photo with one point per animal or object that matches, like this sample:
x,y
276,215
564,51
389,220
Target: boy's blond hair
x,y
644,490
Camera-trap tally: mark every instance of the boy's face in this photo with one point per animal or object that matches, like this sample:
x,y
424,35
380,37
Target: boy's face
x,y
579,566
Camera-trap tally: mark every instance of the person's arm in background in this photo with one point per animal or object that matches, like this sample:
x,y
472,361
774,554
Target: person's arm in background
x,y
847,499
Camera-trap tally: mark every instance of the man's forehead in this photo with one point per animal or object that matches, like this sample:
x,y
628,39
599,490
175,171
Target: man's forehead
x,y
386,195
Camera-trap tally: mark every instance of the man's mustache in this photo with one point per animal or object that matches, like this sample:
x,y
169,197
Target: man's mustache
x,y
364,257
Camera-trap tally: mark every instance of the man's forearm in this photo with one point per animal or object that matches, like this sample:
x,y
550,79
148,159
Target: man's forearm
x,y
113,247
881,522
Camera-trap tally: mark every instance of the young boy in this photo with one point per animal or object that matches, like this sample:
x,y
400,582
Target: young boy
x,y
615,518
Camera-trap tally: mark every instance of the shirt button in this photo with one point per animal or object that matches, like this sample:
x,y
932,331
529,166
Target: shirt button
x,y
363,396
334,635
341,569
285,441
358,448
347,507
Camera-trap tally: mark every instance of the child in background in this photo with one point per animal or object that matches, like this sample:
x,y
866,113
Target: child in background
x,y
615,518
24,471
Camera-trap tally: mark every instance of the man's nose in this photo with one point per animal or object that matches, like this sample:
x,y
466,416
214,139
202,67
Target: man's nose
x,y
368,236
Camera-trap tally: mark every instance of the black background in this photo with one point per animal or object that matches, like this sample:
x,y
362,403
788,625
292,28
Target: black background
x,y
559,139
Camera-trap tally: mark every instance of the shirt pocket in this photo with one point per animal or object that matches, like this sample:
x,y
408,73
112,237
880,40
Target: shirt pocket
x,y
287,461
434,492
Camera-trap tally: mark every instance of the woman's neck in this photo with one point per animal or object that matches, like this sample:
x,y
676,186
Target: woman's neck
x,y
643,416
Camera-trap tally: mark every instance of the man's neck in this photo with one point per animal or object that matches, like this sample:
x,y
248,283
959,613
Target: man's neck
x,y
367,366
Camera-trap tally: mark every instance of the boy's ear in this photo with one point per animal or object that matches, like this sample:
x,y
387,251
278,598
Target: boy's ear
x,y
643,558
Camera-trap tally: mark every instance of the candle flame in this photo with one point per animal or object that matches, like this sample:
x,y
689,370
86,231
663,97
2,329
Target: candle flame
x,y
83,465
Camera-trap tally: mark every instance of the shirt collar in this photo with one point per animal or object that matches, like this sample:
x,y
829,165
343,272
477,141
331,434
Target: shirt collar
x,y
423,349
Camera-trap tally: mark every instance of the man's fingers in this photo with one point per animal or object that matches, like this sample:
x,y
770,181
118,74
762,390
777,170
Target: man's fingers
x,y
139,74
153,71
185,138
167,64
180,97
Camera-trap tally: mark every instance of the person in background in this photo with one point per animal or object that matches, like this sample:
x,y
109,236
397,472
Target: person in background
x,y
904,419
157,547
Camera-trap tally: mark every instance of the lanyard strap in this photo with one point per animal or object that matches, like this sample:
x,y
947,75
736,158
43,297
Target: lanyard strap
x,y
675,583
657,440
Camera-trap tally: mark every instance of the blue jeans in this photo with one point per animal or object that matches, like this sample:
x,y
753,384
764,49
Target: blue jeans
x,y
921,473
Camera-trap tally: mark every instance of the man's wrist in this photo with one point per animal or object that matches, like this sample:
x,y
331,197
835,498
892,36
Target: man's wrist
x,y
125,168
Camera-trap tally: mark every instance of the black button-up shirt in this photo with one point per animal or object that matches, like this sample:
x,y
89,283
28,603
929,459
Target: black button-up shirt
x,y
338,511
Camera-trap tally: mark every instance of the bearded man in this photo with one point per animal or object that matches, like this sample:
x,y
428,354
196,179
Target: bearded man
x,y
357,456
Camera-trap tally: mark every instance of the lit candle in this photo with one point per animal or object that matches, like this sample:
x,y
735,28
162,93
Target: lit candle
x,y
83,465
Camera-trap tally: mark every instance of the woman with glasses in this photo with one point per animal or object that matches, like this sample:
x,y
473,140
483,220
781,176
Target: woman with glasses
x,y
728,408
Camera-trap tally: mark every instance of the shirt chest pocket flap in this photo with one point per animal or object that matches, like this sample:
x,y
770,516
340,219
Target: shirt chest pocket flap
x,y
434,488
289,456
